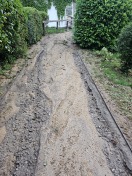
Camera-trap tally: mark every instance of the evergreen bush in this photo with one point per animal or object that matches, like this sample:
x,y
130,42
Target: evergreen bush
x,y
34,22
99,22
125,47
12,30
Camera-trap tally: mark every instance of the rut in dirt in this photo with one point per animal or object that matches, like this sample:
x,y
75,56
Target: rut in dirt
x,y
49,118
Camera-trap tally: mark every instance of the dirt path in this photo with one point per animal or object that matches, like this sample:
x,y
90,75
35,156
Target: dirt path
x,y
46,120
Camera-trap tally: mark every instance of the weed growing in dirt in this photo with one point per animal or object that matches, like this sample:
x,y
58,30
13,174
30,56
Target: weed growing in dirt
x,y
110,65
4,71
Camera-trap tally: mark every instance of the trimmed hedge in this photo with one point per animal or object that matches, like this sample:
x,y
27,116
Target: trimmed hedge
x,y
12,30
34,22
99,22
125,47
19,26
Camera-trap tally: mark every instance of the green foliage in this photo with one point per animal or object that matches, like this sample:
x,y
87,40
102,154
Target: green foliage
x,y
60,6
34,21
53,30
125,47
99,22
12,30
107,73
110,65
107,55
40,5
49,4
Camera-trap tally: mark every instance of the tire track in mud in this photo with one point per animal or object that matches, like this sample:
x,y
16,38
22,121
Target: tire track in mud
x,y
19,149
69,141
47,114
116,148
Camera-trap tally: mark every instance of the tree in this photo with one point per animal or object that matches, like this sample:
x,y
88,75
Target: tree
x,y
60,5
40,5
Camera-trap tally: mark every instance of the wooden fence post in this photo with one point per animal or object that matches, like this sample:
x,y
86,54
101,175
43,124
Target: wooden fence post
x,y
57,25
67,24
43,28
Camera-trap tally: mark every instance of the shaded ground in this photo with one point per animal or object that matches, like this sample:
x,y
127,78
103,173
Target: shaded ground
x,y
48,115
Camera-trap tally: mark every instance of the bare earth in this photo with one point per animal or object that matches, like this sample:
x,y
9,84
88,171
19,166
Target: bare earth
x,y
46,125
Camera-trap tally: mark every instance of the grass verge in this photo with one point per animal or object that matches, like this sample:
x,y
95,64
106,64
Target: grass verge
x,y
53,30
110,64
105,68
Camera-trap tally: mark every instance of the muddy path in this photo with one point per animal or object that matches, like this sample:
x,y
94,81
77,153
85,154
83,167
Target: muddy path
x,y
54,123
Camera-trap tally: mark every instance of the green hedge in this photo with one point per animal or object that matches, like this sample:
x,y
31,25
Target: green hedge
x,y
19,26
99,22
12,30
125,47
34,21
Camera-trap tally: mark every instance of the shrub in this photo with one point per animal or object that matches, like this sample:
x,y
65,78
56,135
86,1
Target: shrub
x,y
99,22
34,22
125,47
12,30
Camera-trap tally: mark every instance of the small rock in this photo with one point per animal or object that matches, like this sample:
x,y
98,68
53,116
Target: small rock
x,y
45,164
113,170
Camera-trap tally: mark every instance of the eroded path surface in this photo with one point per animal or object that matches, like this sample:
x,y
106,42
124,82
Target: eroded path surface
x,y
69,141
46,125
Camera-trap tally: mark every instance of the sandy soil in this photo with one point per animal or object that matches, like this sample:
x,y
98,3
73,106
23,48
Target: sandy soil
x,y
69,141
46,120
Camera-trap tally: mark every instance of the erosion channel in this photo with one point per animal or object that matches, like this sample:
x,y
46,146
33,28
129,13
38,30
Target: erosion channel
x,y
53,121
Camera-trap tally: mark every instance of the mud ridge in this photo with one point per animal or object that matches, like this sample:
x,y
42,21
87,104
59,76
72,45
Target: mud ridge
x,y
20,148
54,122
69,142
117,151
